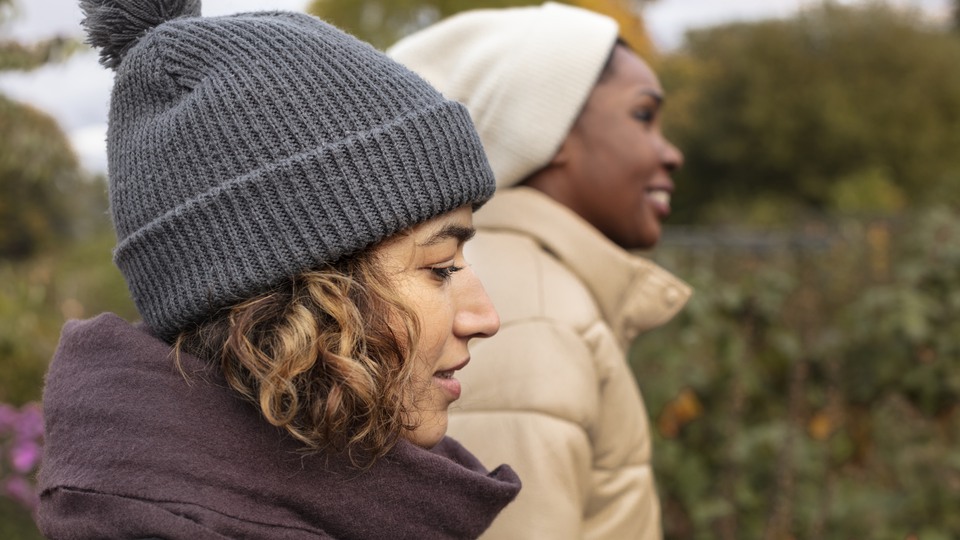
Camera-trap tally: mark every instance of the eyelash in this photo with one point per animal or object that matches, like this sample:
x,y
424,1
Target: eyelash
x,y
646,117
444,273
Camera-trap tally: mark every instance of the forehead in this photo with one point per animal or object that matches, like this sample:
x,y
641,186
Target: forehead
x,y
455,226
629,70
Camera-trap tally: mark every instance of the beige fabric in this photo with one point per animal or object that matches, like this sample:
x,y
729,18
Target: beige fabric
x,y
524,73
552,394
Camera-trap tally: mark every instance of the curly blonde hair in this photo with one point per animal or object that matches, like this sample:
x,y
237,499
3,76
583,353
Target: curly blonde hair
x,y
326,355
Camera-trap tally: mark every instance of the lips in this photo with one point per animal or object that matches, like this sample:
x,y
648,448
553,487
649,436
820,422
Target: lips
x,y
445,380
659,198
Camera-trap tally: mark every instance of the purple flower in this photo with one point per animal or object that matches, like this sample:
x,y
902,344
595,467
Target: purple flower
x,y
21,437
29,424
25,455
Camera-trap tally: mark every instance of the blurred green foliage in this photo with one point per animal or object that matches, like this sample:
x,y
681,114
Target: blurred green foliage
x,y
16,523
38,169
840,108
37,296
15,55
22,57
383,22
812,387
37,166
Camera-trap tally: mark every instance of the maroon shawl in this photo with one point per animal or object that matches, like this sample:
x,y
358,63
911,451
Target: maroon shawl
x,y
133,450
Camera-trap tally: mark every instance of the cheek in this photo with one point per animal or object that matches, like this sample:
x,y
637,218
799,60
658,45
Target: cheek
x,y
435,326
623,158
619,186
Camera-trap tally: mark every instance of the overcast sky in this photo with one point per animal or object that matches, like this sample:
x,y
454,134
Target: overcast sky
x,y
76,92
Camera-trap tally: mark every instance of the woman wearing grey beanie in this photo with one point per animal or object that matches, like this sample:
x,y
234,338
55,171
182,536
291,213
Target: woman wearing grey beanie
x,y
291,208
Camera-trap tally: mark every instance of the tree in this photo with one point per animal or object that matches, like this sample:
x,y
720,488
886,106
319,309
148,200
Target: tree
x,y
839,108
383,22
37,167
956,15
37,164
19,56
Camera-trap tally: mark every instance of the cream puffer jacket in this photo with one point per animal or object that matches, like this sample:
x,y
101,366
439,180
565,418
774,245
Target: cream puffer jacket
x,y
551,394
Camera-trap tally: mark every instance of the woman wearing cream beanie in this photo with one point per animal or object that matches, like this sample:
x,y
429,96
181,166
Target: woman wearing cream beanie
x,y
570,120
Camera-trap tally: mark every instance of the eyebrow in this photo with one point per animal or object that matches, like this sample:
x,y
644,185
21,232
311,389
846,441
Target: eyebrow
x,y
458,232
657,96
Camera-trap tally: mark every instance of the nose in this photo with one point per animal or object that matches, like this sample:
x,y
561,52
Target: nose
x,y
671,156
476,317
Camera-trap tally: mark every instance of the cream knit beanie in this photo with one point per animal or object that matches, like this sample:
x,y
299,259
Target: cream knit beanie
x,y
523,73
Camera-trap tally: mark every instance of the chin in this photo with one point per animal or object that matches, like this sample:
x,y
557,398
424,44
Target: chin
x,y
429,433
641,242
649,237
640,236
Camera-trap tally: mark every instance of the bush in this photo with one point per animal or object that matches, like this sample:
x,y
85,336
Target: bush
x,y
36,297
39,295
810,389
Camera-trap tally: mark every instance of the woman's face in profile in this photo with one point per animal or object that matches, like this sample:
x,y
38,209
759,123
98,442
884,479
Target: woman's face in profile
x,y
618,162
429,270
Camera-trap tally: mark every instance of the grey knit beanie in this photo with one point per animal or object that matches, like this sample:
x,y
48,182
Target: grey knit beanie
x,y
245,149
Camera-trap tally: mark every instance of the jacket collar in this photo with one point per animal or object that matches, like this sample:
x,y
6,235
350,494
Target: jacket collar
x,y
634,294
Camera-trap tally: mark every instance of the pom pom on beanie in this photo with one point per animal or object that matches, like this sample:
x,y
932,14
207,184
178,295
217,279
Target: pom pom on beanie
x,y
524,73
115,26
248,148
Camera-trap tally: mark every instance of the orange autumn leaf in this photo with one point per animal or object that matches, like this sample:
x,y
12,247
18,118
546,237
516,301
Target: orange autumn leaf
x,y
820,426
632,28
680,411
